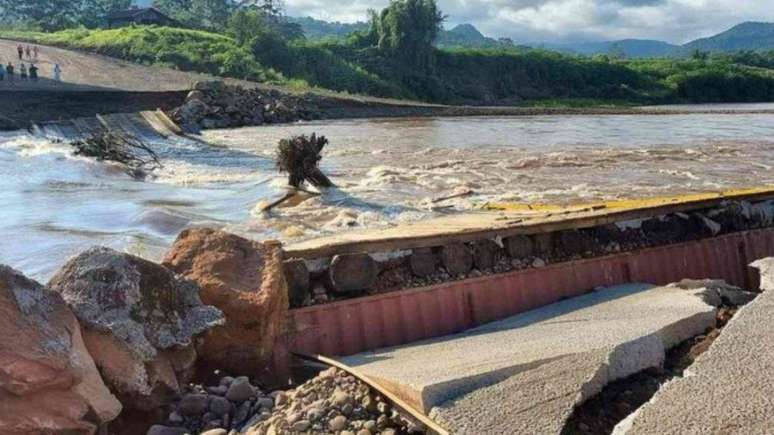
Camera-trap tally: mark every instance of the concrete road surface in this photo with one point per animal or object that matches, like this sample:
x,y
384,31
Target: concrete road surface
x,y
525,374
730,388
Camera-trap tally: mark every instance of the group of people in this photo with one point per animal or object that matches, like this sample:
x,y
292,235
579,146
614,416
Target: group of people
x,y
9,71
29,51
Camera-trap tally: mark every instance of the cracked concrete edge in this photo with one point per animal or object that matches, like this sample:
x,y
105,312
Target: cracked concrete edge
x,y
621,361
766,269
650,351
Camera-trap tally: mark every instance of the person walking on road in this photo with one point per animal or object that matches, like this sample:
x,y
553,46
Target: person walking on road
x,y
9,71
2,73
35,51
33,73
28,51
23,72
57,73
20,49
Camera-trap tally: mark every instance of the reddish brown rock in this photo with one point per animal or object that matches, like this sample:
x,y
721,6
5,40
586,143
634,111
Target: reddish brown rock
x,y
457,259
423,262
138,321
245,280
353,272
519,246
48,381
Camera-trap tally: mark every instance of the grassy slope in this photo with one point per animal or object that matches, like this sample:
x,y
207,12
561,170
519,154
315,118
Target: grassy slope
x,y
490,76
187,50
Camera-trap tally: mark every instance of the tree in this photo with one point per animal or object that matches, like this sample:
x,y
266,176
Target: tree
x,y
206,14
408,29
94,12
48,14
699,55
52,15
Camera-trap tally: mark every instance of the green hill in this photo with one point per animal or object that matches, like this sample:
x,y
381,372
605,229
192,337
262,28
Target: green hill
x,y
460,75
745,36
625,47
465,35
319,29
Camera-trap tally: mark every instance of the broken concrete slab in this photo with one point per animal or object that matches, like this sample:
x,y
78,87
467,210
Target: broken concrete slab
x,y
729,388
531,370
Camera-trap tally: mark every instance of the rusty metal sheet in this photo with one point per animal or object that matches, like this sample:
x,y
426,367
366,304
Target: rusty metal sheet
x,y
357,325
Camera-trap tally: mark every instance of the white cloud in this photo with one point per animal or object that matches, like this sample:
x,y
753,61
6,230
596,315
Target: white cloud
x,y
561,20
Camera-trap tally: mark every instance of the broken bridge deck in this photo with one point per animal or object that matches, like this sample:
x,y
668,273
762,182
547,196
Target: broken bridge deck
x,y
505,220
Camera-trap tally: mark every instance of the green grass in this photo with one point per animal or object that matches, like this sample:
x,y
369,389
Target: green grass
x,y
527,77
579,103
183,49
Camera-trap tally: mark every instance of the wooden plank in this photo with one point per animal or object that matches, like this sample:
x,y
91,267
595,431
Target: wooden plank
x,y
432,426
469,227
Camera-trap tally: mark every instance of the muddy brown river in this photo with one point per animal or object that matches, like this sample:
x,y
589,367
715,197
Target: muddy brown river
x,y
53,205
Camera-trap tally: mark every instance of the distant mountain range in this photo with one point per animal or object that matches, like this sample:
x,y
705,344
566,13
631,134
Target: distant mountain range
x,y
745,36
623,47
464,35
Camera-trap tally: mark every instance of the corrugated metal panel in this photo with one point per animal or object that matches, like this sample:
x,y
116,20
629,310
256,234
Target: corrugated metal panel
x,y
348,327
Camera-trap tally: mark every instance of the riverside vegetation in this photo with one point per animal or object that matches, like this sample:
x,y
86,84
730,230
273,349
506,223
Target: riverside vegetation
x,y
258,43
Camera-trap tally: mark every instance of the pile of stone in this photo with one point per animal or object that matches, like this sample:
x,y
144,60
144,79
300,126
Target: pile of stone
x,y
334,402
217,105
108,327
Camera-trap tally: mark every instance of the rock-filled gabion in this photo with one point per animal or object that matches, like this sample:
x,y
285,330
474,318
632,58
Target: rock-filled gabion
x,y
334,402
315,283
217,105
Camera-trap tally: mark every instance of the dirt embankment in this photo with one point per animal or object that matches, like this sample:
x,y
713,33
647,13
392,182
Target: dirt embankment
x,y
92,84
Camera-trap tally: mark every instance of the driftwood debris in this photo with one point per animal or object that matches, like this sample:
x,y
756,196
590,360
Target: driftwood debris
x,y
137,158
299,157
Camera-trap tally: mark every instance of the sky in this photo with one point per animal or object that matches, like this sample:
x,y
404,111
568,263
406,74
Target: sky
x,y
529,21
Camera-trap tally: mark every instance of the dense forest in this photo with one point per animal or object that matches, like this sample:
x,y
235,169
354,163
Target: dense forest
x,y
395,55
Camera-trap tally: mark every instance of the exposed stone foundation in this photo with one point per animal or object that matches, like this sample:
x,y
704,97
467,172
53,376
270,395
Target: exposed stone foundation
x,y
372,273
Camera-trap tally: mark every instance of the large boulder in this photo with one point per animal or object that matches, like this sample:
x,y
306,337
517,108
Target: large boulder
x,y
192,111
245,279
209,86
139,322
48,381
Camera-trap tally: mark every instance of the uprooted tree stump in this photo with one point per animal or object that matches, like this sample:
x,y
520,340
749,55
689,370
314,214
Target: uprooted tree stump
x,y
137,158
299,157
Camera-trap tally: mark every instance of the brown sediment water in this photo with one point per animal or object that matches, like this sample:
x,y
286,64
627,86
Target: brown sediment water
x,y
388,171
